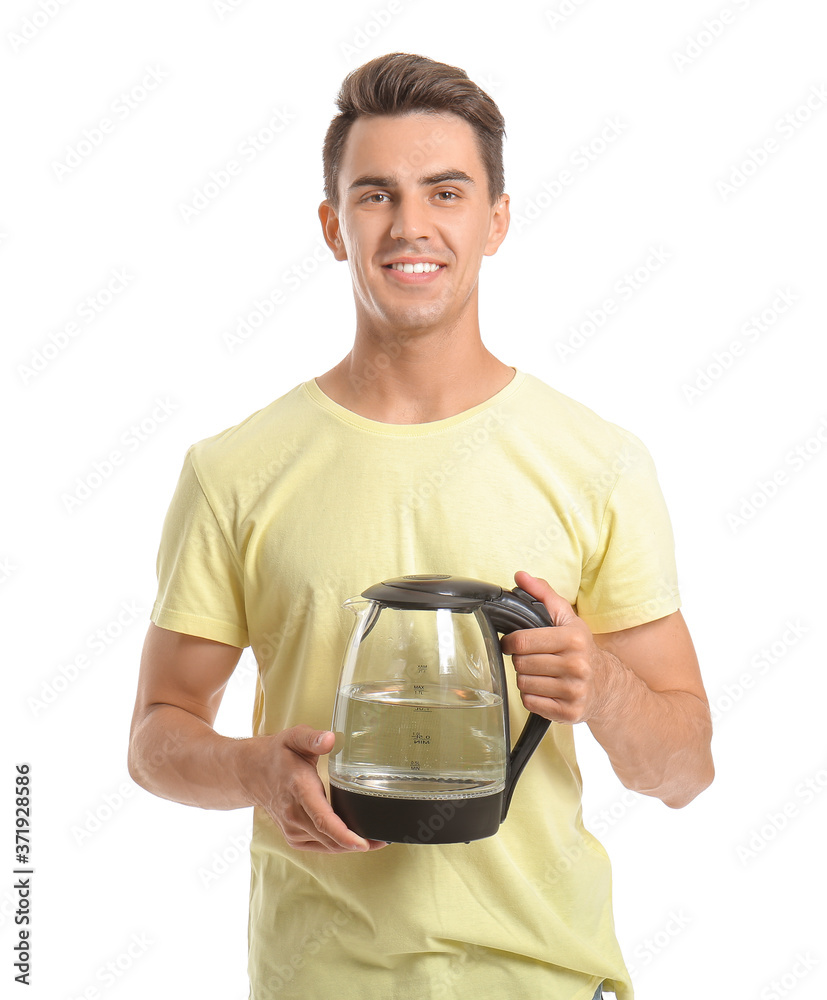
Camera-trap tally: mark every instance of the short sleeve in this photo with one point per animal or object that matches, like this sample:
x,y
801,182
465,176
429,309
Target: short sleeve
x,y
631,577
200,580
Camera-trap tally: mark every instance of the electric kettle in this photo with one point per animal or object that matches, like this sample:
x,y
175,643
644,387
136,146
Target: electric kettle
x,y
423,751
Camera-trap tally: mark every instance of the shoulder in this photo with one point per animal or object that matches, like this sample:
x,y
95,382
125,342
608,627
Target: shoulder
x,y
575,431
259,444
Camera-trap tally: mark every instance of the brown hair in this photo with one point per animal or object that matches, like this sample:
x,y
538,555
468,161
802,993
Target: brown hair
x,y
399,84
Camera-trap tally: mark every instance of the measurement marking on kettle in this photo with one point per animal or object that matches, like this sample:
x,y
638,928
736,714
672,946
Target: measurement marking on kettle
x,y
422,667
421,738
419,688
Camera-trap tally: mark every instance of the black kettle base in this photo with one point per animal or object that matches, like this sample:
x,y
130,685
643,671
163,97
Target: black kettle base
x,y
418,821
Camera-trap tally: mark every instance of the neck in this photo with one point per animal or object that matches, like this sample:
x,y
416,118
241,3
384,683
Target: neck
x,y
410,377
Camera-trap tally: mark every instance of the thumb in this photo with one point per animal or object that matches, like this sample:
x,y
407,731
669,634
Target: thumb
x,y
306,740
562,613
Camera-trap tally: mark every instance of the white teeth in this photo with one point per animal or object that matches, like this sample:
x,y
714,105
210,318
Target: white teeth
x,y
415,268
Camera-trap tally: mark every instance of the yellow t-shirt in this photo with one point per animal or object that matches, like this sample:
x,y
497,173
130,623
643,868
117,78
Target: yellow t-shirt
x,y
278,520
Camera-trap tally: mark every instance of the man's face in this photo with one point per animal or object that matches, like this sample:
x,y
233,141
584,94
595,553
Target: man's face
x,y
413,188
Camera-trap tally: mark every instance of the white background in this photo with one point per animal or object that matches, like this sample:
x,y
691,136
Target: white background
x,y
721,899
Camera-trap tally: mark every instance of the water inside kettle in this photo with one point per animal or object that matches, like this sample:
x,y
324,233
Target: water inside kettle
x,y
399,738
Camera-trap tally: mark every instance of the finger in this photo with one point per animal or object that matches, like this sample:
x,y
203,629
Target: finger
x,y
548,708
532,641
309,742
545,686
321,821
555,700
539,667
319,848
327,826
302,828
558,607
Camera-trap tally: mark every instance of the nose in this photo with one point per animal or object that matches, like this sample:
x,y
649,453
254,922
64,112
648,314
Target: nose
x,y
410,219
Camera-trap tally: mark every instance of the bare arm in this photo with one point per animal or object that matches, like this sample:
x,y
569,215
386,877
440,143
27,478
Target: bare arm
x,y
639,690
656,725
175,753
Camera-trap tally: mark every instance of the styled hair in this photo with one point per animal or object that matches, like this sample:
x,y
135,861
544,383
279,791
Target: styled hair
x,y
401,84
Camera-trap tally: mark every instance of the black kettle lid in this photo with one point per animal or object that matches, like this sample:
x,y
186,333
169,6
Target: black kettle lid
x,y
433,590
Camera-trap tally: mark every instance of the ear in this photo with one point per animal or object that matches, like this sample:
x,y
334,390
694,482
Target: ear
x,y
331,230
500,220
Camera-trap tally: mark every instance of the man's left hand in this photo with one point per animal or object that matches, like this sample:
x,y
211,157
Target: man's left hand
x,y
562,674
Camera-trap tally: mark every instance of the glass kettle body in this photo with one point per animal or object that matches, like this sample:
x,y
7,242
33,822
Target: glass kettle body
x,y
422,752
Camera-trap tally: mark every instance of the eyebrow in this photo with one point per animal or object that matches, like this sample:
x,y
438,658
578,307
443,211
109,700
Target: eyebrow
x,y
371,180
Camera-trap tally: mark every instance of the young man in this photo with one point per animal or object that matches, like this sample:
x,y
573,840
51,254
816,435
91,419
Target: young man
x,y
420,452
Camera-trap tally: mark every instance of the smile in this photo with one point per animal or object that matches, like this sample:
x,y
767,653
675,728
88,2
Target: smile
x,y
421,273
418,268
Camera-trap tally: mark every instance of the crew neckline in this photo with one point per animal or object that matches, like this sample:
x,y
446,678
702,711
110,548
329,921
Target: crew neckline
x,y
342,413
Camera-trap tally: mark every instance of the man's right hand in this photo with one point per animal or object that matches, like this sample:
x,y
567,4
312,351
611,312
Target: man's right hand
x,y
283,780
175,753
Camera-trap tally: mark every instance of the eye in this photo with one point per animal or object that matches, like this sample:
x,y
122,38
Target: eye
x,y
376,194
450,196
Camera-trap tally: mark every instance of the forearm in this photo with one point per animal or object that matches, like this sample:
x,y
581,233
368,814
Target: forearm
x,y
178,756
658,742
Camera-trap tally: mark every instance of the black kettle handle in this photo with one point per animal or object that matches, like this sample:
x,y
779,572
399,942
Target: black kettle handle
x,y
511,611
